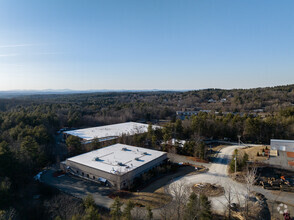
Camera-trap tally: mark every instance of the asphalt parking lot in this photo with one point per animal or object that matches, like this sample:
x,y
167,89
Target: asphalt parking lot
x,y
280,161
78,187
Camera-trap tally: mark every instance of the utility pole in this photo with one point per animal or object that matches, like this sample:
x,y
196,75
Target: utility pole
x,y
239,138
235,161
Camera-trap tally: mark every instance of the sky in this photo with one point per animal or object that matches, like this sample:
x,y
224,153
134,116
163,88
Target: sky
x,y
145,44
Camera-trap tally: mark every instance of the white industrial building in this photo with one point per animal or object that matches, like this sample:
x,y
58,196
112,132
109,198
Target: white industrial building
x,y
110,132
117,164
282,145
285,153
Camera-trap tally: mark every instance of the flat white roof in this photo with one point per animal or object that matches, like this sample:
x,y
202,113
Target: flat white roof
x,y
118,158
281,140
109,132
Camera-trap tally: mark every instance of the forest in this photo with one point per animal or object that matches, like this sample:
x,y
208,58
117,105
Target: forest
x,y
29,126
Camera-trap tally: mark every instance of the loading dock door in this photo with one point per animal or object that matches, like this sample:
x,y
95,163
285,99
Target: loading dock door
x,y
103,181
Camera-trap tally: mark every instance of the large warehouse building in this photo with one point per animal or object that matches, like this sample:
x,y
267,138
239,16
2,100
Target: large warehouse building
x,y
282,145
109,132
117,164
285,149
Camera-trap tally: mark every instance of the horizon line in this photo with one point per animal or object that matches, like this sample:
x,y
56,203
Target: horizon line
x,y
122,90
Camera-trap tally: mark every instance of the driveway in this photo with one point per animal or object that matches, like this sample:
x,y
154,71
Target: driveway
x,y
218,174
79,187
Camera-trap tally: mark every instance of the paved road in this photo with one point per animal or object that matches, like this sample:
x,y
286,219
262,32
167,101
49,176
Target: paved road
x,y
218,174
280,161
79,187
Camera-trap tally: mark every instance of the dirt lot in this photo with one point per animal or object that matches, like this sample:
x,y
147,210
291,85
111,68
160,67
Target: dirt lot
x,y
142,199
210,190
275,179
196,159
252,153
271,177
274,172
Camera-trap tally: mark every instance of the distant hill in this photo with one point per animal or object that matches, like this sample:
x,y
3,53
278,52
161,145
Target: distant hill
x,y
256,100
17,93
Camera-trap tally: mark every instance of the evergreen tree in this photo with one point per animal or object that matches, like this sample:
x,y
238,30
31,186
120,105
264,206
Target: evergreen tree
x,y
74,145
127,211
245,160
179,128
205,208
6,160
91,213
149,212
76,217
150,131
30,147
192,207
115,209
198,207
88,201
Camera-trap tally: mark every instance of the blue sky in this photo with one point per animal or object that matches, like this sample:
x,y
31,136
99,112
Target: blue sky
x,y
145,44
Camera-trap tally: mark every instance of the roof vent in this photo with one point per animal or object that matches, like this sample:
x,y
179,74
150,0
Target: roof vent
x,y
97,159
120,164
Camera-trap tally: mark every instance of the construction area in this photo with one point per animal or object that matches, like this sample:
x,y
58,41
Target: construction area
x,y
208,189
275,179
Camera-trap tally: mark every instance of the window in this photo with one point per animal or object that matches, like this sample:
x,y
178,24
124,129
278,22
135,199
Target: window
x,y
88,175
82,173
77,172
93,177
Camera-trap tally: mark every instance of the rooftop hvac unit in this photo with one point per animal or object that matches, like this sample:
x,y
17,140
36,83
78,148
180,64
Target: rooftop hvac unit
x,y
120,164
124,149
97,159
137,158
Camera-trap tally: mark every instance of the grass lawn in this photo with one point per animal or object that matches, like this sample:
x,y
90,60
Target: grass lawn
x,y
252,152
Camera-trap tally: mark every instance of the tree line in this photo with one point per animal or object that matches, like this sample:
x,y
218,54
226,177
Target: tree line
x,y
28,124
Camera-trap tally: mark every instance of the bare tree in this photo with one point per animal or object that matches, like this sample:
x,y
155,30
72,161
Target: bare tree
x,y
180,192
250,180
63,206
241,197
138,213
228,205
234,201
167,212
